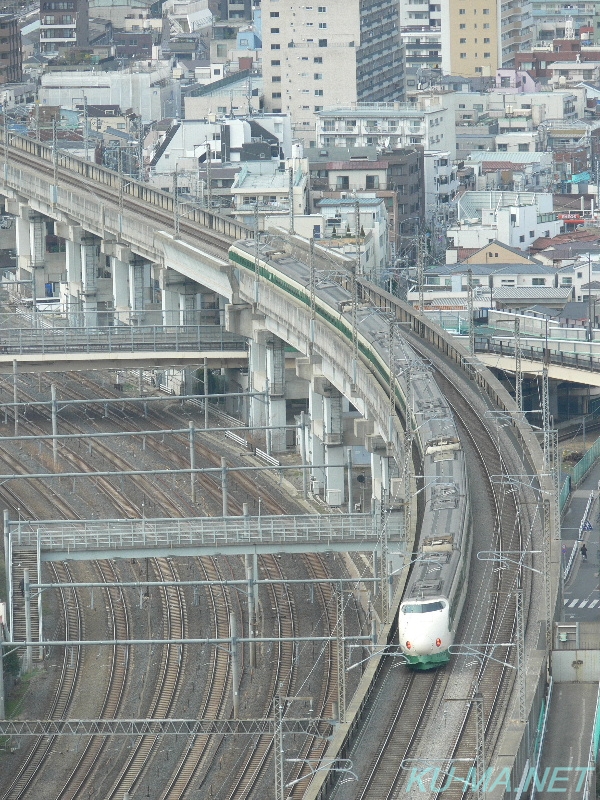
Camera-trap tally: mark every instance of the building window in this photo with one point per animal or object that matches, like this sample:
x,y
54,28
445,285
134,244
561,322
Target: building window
x,y
521,238
222,50
463,41
322,42
531,234
462,11
486,11
275,95
538,281
318,76
318,59
274,30
322,9
486,41
486,25
486,55
276,78
273,47
463,55
343,182
462,26
502,148
322,24
274,13
318,92
318,108
275,62
372,182
523,148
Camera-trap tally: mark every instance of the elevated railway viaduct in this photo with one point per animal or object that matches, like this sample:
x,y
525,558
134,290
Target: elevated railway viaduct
x,y
136,254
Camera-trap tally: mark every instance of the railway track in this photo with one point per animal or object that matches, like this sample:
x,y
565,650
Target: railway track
x,y
82,774
198,752
72,623
282,682
169,684
501,613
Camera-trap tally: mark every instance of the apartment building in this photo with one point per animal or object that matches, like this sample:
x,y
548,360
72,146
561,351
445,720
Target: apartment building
x,y
441,183
11,60
63,23
481,36
327,55
380,56
395,176
429,122
554,19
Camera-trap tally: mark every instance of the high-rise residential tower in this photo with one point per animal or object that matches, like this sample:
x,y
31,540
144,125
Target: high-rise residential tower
x,y
319,56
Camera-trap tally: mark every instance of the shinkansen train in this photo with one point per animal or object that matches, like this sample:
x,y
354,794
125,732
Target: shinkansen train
x,y
437,584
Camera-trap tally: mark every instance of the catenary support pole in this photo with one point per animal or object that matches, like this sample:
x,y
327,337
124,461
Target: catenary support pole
x,y
303,453
7,569
54,425
15,397
224,487
205,393
27,593
350,498
2,708
251,606
235,665
192,461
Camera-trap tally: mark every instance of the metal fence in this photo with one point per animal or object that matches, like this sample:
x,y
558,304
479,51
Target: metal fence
x,y
22,341
581,469
71,536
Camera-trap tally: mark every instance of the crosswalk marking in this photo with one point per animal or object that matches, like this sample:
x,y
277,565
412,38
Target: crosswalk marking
x,y
582,603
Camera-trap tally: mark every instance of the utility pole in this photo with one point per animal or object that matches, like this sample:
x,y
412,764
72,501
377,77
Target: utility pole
x,y
470,312
5,124
208,176
590,324
256,254
176,203
518,367
291,199
85,127
358,243
420,271
311,264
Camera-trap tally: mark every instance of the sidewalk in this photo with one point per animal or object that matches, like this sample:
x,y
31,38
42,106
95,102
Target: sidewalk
x,y
581,591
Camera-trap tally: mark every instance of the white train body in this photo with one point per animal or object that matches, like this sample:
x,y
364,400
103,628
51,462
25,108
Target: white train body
x,y
437,584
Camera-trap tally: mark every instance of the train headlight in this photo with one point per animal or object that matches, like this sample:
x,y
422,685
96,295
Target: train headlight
x,y
438,642
408,645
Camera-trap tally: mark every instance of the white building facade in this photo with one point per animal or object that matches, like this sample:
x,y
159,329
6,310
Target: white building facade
x,y
513,218
428,122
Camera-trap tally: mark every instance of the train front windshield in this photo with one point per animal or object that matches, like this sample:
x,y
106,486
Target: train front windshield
x,y
423,608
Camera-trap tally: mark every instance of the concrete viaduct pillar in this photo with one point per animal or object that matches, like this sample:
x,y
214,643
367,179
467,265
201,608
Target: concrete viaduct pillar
x,y
120,289
90,263
267,367
276,403
325,405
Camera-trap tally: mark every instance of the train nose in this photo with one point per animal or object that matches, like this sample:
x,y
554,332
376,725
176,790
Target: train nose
x,y
423,644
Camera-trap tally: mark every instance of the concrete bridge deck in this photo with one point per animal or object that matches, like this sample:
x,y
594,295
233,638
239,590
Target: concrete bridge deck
x,y
44,349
